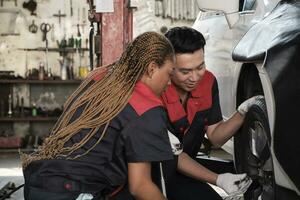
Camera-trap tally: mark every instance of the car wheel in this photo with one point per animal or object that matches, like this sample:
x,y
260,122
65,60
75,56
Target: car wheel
x,y
252,153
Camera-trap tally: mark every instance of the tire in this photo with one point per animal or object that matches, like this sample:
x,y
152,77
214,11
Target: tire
x,y
252,153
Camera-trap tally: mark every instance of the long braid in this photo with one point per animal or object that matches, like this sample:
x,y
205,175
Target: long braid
x,y
103,99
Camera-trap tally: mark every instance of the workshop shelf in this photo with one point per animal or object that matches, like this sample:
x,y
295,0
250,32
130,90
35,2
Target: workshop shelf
x,y
26,81
23,150
27,119
31,120
66,49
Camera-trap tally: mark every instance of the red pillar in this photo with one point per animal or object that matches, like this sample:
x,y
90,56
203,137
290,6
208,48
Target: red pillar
x,y
116,31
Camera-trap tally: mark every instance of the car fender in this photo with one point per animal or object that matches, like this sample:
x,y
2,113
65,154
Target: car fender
x,y
279,49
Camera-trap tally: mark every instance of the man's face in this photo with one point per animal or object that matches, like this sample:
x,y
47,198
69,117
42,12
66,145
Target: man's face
x,y
189,70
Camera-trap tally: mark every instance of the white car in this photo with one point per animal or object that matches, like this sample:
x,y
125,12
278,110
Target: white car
x,y
253,48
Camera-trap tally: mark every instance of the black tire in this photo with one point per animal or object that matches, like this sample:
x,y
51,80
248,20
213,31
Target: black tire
x,y
252,153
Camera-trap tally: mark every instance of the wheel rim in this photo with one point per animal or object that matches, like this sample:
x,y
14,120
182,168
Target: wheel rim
x,y
259,163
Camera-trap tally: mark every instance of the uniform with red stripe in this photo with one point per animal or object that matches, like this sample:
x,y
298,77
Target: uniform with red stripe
x,y
137,134
202,110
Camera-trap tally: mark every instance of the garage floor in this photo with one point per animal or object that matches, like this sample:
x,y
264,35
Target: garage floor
x,y
10,171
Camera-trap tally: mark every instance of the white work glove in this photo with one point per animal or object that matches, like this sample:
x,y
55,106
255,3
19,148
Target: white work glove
x,y
85,196
234,184
244,107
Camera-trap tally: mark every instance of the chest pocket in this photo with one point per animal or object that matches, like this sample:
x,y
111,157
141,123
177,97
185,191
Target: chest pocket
x,y
196,105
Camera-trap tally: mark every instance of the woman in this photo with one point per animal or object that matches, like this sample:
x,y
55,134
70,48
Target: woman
x,y
112,128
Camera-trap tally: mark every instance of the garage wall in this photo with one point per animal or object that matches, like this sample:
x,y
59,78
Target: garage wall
x,y
16,20
144,18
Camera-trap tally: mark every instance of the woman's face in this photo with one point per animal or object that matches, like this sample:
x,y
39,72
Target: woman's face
x,y
160,78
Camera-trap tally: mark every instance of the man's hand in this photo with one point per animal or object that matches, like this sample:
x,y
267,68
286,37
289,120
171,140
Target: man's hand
x,y
244,107
234,184
85,196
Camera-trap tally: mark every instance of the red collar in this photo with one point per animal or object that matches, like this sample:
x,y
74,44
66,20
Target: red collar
x,y
143,98
200,99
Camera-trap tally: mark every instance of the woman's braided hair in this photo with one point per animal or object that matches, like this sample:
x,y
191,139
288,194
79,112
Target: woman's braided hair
x,y
102,100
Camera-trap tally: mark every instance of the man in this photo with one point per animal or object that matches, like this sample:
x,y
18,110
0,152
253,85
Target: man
x,y
192,103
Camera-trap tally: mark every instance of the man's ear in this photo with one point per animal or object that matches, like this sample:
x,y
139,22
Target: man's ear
x,y
152,67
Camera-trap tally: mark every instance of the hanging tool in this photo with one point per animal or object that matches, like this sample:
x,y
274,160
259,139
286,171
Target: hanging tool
x,y
32,27
164,8
52,33
86,43
157,6
26,63
98,45
45,28
59,15
71,8
79,51
94,17
83,20
188,5
46,54
9,113
78,20
31,6
78,32
78,38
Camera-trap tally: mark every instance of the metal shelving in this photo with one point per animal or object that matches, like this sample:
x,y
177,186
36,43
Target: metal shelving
x,y
26,81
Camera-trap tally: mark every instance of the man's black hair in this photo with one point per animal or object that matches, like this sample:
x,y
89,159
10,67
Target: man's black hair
x,y
185,39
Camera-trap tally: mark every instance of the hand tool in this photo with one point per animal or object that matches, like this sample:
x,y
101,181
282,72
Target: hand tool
x,y
52,33
84,18
46,54
9,113
91,50
32,27
78,31
94,18
45,28
26,63
156,8
31,6
71,8
59,15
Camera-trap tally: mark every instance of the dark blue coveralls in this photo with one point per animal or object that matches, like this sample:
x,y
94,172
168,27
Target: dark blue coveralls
x,y
137,134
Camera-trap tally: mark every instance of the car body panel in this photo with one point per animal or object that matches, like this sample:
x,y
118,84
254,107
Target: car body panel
x,y
269,38
276,40
280,27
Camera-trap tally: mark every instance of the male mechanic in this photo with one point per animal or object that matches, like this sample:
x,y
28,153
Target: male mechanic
x,y
192,102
